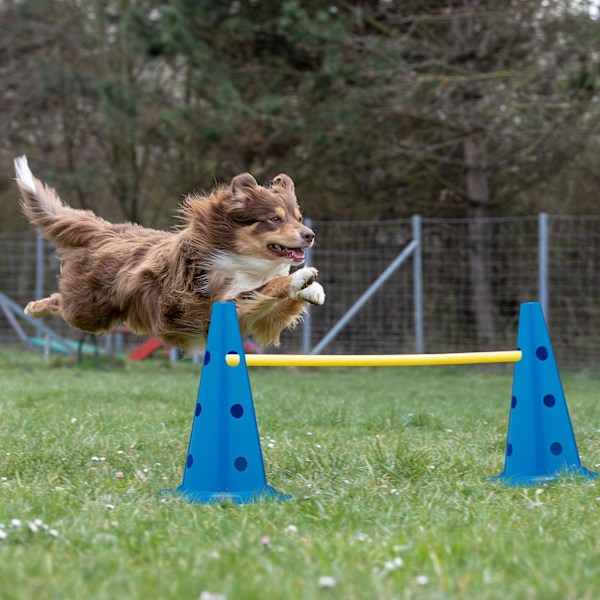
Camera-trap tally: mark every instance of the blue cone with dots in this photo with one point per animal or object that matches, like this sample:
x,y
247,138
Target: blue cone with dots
x,y
541,444
224,462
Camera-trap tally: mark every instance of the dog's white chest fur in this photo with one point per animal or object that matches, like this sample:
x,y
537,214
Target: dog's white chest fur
x,y
244,273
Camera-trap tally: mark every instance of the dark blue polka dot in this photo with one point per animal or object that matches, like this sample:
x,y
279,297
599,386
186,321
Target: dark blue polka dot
x,y
240,463
206,357
556,448
513,402
190,461
549,400
198,409
237,410
509,449
541,352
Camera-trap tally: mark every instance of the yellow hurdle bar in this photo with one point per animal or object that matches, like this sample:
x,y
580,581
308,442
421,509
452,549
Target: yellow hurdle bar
x,y
375,360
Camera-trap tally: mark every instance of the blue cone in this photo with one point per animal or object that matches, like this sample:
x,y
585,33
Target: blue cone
x,y
541,444
224,460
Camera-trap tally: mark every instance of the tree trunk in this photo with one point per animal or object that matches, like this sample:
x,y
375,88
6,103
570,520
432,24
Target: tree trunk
x,y
479,240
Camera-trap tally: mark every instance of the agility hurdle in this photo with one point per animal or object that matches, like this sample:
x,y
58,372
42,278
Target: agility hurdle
x,y
375,360
224,461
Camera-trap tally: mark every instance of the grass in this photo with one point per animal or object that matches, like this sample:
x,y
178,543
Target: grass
x,y
389,469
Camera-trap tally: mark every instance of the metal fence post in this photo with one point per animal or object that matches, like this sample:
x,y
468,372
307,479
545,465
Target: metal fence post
x,y
543,262
366,296
306,324
418,285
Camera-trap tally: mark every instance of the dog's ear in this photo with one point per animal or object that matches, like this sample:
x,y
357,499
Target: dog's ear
x,y
284,181
243,186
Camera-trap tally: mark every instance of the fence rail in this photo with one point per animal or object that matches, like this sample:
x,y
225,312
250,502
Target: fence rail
x,y
553,259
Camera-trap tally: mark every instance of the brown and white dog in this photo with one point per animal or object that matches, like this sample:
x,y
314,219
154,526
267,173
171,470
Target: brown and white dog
x,y
236,244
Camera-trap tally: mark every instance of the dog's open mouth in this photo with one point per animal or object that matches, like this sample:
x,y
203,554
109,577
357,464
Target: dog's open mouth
x,y
293,254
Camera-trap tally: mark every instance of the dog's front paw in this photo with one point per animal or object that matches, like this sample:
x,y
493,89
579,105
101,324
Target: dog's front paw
x,y
313,294
302,278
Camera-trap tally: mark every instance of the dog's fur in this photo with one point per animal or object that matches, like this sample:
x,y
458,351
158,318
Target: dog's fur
x,y
236,244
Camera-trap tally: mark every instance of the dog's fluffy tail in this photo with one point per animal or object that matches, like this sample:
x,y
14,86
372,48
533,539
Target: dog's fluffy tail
x,y
63,225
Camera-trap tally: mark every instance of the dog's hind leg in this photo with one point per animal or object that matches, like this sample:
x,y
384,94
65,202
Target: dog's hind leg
x,y
48,307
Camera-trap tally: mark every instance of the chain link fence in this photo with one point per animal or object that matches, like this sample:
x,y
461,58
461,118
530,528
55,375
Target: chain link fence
x,y
351,255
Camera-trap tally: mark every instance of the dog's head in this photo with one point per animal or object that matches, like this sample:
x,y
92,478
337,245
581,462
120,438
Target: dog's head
x,y
269,219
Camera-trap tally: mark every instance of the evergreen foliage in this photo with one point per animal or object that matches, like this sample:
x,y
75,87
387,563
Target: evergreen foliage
x,y
377,109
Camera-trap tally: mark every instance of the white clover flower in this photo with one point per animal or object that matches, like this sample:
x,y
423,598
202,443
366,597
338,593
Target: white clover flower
x,y
3,534
291,529
211,596
422,579
326,581
395,563
15,523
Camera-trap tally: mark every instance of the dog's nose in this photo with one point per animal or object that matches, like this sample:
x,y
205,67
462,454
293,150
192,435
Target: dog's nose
x,y
308,236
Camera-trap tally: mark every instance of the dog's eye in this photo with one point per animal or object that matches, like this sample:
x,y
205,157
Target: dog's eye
x,y
275,219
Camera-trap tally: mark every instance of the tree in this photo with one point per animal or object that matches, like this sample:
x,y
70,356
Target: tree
x,y
80,94
486,98
376,109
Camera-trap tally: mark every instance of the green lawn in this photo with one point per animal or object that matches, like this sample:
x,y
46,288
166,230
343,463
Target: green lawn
x,y
389,468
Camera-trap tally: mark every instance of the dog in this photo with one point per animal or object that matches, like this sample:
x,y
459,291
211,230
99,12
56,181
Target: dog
x,y
235,244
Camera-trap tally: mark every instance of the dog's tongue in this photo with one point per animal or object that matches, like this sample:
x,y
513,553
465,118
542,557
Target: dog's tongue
x,y
296,254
